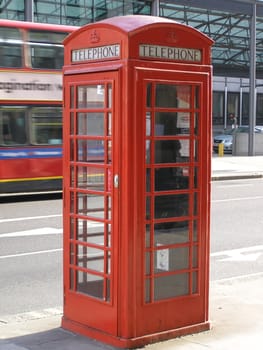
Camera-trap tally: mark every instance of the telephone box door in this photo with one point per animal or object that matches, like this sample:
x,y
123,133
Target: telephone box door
x,y
174,115
91,201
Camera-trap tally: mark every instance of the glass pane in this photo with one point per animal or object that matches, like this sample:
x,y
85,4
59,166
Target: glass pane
x,y
147,236
167,179
72,279
10,47
91,124
90,284
171,286
171,259
148,151
196,123
171,206
173,96
147,290
195,257
148,123
72,97
72,123
91,96
90,258
90,205
46,126
90,178
148,180
148,207
171,232
109,124
196,95
184,96
194,282
109,96
171,123
166,96
90,150
72,254
195,231
184,151
13,126
168,151
147,263
149,95
90,231
72,228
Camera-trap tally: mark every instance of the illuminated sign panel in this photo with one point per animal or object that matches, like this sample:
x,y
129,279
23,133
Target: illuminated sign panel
x,y
95,53
170,53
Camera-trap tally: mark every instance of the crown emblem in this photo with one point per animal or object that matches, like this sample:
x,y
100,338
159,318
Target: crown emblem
x,y
94,37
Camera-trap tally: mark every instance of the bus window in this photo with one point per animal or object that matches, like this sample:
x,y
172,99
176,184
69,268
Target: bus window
x,y
46,49
10,47
46,126
13,128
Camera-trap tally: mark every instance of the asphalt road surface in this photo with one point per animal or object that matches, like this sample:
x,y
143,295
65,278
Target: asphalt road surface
x,y
31,245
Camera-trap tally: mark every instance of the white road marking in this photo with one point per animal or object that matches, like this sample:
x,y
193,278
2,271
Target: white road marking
x,y
34,232
31,253
236,199
241,254
30,218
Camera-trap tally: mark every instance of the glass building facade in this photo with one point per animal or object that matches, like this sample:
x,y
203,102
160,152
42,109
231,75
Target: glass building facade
x,y
228,22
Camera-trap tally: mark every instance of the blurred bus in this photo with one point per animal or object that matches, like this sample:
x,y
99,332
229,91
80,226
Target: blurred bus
x,y
31,60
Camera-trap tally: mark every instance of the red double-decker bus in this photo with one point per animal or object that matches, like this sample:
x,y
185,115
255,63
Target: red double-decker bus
x,y
31,60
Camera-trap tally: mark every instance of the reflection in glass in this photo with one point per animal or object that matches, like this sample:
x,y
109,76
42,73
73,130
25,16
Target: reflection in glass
x,y
171,233
148,151
168,151
171,286
90,150
195,231
90,284
72,97
71,151
166,95
196,123
109,130
197,97
195,257
72,228
109,96
90,178
194,282
149,95
91,205
148,123
148,180
91,258
91,124
90,231
172,178
71,123
72,177
90,96
147,263
147,236
168,206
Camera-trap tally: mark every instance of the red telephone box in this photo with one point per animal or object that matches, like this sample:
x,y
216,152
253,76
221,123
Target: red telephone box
x,y
137,132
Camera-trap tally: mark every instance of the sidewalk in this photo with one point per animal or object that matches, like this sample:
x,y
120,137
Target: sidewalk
x,y
236,304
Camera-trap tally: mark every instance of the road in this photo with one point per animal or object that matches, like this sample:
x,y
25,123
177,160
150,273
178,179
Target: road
x,y
31,245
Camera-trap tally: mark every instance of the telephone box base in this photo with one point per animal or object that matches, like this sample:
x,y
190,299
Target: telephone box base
x,y
132,343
